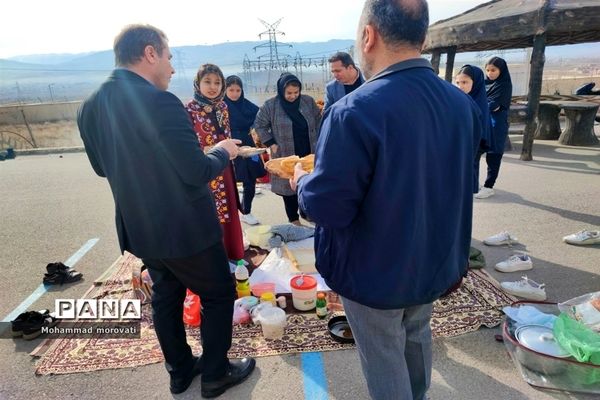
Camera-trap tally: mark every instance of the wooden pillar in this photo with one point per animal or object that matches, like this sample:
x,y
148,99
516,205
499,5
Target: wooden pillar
x,y
533,97
450,63
435,60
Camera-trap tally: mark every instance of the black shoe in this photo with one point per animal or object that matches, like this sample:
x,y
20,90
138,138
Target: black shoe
x,y
33,326
53,268
180,385
236,373
23,321
62,276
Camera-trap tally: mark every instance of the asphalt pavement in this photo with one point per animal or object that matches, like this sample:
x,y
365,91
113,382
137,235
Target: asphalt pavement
x,y
53,204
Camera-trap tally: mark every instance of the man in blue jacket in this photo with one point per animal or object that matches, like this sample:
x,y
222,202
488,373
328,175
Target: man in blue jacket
x,y
391,194
347,78
139,137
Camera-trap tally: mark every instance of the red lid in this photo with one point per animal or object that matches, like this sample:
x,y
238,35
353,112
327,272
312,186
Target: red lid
x,y
303,282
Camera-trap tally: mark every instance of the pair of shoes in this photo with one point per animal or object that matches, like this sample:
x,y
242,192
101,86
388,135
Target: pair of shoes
x,y
500,239
29,324
583,238
59,273
517,262
484,193
249,219
237,372
526,288
180,385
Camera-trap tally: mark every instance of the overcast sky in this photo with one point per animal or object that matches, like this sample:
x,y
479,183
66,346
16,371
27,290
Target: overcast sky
x,y
75,26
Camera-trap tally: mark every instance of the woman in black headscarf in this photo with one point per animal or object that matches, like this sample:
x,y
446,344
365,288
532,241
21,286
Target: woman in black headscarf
x,y
499,93
242,113
470,79
288,123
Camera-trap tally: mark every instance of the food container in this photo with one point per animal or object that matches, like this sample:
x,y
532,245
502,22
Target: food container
x,y
272,321
268,297
544,370
304,292
539,339
259,288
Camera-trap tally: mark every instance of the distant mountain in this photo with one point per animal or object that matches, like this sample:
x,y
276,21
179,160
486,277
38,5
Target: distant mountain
x,y
48,77
223,54
47,58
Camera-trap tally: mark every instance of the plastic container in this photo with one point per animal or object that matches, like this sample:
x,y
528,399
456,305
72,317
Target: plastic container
x,y
259,235
259,288
268,297
272,321
547,371
304,292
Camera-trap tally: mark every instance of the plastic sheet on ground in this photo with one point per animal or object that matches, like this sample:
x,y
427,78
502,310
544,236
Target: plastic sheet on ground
x,y
278,269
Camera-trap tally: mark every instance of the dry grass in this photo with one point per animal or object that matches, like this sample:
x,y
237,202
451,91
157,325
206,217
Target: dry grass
x,y
48,134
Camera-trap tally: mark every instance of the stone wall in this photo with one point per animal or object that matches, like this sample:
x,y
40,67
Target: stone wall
x,y
39,113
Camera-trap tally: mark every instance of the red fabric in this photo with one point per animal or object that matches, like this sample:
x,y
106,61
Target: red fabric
x,y
232,230
223,187
267,177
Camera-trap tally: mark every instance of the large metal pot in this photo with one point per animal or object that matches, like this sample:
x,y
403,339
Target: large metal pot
x,y
539,350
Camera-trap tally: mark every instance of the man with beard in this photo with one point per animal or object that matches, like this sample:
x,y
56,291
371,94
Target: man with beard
x,y
391,194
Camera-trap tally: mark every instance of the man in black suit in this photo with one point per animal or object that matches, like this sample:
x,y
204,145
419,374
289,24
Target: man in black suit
x,y
139,136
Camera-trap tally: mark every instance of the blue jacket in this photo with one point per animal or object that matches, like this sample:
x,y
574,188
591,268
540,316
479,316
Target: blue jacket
x,y
334,90
391,192
141,139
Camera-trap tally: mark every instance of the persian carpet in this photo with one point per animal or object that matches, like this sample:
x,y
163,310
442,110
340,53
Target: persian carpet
x,y
477,302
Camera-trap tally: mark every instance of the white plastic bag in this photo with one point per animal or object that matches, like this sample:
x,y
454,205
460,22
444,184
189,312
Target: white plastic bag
x,y
585,309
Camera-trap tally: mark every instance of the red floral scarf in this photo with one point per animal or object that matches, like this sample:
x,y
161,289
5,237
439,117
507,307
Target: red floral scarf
x,y
211,124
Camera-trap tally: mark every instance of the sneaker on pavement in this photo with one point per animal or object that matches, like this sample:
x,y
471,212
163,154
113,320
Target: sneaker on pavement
x,y
583,238
525,288
249,219
517,262
484,193
500,239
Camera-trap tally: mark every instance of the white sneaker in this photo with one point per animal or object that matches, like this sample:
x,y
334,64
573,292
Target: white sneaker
x,y
249,219
484,193
500,239
525,288
517,262
583,237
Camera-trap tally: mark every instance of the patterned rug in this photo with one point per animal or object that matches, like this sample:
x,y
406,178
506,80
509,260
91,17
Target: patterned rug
x,y
476,303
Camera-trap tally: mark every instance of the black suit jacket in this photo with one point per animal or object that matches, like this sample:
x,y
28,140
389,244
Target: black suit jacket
x,y
141,139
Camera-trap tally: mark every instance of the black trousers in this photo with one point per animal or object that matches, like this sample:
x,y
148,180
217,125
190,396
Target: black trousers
x,y
249,191
493,161
206,274
291,208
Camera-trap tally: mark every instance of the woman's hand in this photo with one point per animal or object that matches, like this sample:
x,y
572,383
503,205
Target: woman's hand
x,y
274,148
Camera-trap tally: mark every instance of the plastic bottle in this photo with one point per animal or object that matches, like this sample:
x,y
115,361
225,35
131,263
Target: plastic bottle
x,y
241,276
321,305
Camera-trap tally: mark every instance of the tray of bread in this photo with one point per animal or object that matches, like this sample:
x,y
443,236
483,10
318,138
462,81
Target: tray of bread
x,y
284,167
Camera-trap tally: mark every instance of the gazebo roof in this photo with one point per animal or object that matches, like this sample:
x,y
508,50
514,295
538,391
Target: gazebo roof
x,y
511,24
